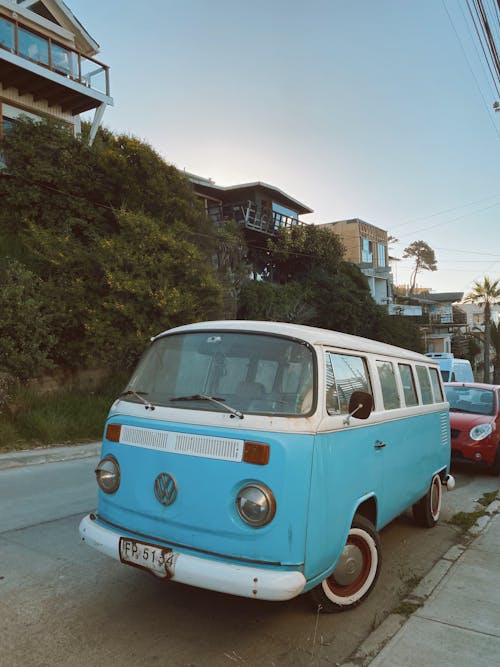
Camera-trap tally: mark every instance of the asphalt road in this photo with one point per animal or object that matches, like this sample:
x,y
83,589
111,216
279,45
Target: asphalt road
x,y
63,604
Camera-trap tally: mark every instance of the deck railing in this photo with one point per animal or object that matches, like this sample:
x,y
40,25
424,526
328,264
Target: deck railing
x,y
37,48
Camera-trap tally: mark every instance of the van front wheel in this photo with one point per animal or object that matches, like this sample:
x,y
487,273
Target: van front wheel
x,y
427,510
356,570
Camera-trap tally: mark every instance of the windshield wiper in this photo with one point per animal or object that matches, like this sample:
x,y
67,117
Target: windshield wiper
x,y
139,395
212,399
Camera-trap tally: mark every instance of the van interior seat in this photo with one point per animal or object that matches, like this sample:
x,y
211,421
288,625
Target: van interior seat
x,y
251,390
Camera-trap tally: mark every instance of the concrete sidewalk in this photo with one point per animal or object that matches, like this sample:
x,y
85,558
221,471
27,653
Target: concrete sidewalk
x,y
48,455
457,617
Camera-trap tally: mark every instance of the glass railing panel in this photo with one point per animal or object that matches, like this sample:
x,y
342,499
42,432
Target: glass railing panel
x,y
7,35
93,75
33,46
64,61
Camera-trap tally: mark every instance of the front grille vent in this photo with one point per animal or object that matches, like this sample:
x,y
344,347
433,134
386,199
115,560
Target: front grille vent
x,y
187,444
454,433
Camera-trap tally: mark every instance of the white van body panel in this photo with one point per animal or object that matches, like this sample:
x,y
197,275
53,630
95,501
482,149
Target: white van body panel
x,y
452,370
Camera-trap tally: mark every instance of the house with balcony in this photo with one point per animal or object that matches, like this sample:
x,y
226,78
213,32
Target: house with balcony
x,y
261,209
48,67
366,246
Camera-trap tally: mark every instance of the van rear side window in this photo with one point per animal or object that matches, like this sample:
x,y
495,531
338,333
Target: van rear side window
x,y
388,385
436,385
410,392
425,385
344,375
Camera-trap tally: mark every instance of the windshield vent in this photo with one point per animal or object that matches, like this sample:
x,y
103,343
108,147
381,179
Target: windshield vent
x,y
204,446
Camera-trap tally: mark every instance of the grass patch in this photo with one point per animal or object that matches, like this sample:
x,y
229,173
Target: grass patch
x,y
465,520
62,417
407,608
487,498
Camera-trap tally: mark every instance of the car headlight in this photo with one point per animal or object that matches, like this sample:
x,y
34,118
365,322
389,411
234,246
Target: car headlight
x,y
481,431
256,504
107,474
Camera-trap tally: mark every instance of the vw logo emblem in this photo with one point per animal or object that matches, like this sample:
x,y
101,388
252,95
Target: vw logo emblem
x,y
165,488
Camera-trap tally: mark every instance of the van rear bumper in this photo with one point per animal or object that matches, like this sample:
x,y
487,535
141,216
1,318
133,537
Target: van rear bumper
x,y
249,582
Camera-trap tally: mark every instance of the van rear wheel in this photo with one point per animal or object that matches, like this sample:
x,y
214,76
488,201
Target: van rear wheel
x,y
427,510
355,573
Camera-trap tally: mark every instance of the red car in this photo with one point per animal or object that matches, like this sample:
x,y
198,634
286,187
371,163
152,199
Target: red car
x,y
475,423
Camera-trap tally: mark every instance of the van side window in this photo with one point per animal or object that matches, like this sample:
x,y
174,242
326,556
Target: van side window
x,y
425,385
344,375
408,383
436,386
388,384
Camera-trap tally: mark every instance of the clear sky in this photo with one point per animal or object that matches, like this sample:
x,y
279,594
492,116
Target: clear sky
x,y
379,110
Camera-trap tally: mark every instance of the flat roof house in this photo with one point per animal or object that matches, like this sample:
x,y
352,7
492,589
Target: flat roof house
x,y
47,65
260,208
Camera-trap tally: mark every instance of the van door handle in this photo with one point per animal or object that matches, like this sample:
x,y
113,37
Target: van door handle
x,y
379,444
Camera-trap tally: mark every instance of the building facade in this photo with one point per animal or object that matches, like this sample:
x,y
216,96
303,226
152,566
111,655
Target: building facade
x,y
366,246
261,209
48,67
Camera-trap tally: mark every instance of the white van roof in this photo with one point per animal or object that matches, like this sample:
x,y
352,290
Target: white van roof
x,y
312,335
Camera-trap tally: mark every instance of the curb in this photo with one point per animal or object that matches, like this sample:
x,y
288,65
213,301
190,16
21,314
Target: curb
x,y
376,640
48,455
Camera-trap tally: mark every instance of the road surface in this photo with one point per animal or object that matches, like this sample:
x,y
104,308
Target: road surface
x,y
63,604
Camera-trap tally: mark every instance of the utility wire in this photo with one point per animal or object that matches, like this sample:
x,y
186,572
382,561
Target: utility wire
x,y
486,106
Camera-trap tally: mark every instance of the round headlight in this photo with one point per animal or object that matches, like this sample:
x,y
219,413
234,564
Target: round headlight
x,y
107,474
256,504
481,431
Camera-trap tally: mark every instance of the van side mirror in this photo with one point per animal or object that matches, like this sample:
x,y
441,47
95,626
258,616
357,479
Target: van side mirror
x,y
360,406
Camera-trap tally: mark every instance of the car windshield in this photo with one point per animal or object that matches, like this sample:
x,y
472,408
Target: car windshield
x,y
471,399
240,373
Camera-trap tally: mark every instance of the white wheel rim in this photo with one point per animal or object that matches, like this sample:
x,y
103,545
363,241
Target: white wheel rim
x,y
370,571
435,497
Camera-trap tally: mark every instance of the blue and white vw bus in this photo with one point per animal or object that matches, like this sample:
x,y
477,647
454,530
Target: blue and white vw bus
x,y
261,459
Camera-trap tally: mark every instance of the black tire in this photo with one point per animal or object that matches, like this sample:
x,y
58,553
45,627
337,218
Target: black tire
x,y
356,571
427,510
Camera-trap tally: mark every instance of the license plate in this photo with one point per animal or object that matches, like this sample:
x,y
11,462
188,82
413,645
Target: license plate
x,y
158,560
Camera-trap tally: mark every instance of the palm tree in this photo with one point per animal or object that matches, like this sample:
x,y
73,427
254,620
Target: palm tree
x,y
486,293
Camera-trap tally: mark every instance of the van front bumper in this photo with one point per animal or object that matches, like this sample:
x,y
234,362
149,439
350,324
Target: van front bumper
x,y
214,575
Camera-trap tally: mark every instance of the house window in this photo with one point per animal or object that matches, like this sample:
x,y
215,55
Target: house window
x,y
366,251
6,35
381,254
283,217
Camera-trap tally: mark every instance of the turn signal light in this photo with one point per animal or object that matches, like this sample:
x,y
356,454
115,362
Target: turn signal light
x,y
113,432
256,452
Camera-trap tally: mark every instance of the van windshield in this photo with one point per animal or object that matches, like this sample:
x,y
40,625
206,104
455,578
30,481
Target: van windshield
x,y
226,371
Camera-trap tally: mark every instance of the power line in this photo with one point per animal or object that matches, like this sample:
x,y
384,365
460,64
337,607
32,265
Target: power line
x,y
448,210
486,105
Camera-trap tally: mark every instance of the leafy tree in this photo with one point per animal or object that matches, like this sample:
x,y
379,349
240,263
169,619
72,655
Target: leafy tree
x,y
486,293
315,286
265,300
231,258
25,335
114,237
425,260
299,250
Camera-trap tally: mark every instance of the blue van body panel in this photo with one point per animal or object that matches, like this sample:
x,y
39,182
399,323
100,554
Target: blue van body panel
x,y
348,468
204,517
